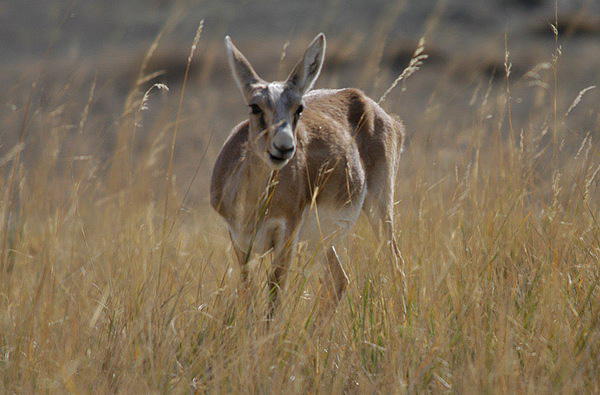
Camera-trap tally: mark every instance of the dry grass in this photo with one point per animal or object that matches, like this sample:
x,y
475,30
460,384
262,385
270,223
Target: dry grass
x,y
107,285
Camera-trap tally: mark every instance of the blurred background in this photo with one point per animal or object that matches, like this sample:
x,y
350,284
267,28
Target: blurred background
x,y
86,58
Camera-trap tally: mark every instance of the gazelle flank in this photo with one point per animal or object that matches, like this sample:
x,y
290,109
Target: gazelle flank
x,y
303,166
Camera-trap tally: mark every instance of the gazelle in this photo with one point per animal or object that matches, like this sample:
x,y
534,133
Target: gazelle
x,y
303,166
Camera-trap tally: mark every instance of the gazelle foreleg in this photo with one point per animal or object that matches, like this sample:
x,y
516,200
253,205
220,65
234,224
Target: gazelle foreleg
x,y
276,281
336,276
242,258
283,252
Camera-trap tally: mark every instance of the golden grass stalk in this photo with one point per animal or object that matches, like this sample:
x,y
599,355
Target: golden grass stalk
x,y
416,61
578,99
169,175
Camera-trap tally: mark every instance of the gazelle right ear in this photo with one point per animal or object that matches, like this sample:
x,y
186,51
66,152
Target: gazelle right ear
x,y
242,71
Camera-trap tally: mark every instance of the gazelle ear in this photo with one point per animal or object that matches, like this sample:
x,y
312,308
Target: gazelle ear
x,y
242,71
306,72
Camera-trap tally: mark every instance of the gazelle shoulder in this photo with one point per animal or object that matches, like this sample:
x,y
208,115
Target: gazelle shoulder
x,y
350,104
231,155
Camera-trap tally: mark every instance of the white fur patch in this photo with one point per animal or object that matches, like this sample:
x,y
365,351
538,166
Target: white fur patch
x,y
271,231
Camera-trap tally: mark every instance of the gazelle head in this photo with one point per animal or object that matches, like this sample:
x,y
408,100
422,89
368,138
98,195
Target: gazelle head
x,y
276,107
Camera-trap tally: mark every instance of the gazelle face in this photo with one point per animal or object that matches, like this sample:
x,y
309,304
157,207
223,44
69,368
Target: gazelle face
x,y
275,110
276,107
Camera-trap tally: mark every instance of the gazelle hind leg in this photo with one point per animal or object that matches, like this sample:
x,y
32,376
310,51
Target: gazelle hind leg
x,y
387,222
380,213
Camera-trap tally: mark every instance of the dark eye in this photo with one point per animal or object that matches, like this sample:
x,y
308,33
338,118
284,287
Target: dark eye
x,y
299,110
255,109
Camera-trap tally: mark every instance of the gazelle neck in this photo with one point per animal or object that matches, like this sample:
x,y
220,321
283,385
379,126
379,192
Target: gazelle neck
x,y
256,181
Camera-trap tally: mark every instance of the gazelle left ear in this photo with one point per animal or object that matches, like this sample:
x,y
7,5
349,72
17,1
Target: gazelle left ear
x,y
305,73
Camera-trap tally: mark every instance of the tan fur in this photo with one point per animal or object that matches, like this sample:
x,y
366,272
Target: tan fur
x,y
345,161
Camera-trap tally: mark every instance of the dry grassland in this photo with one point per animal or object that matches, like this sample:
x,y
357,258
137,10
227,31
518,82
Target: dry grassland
x,y
116,276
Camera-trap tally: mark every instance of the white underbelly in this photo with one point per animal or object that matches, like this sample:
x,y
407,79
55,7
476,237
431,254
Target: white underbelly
x,y
324,225
321,225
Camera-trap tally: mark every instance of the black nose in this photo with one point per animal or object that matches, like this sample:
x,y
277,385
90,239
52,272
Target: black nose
x,y
284,150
